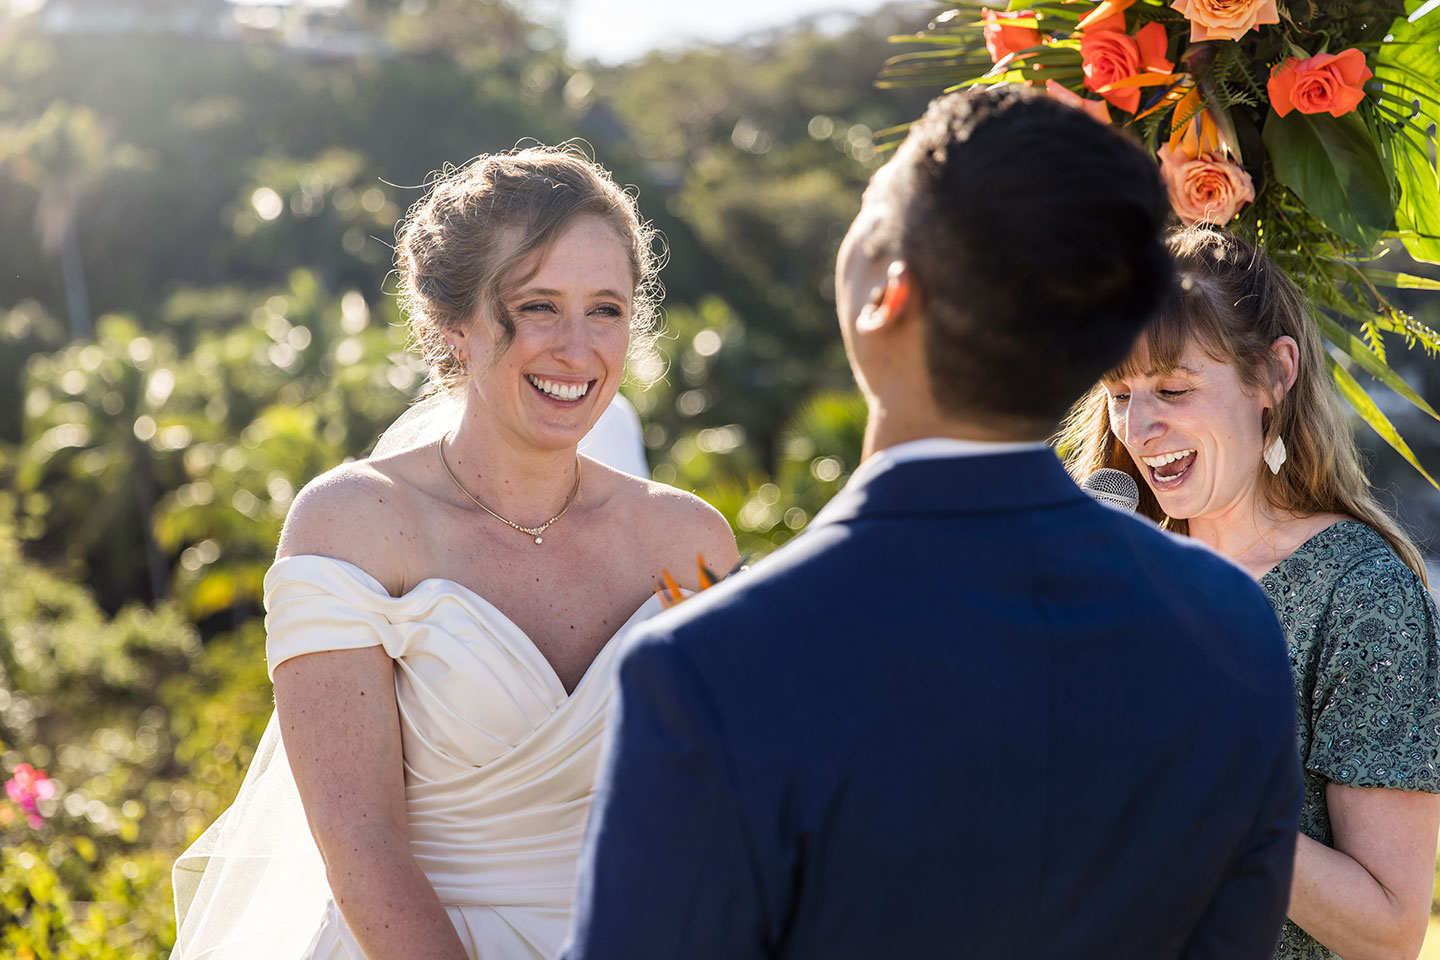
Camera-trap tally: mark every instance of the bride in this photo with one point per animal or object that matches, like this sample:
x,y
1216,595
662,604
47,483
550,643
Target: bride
x,y
442,617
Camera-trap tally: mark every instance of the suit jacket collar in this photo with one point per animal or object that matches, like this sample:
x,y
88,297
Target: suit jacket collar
x,y
971,484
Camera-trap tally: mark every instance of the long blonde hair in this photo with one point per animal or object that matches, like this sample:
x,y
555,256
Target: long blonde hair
x,y
1234,303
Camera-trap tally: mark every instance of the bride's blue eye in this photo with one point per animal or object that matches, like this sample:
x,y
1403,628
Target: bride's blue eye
x,y
539,306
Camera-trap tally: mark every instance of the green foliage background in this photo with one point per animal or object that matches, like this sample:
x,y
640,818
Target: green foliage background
x,y
196,318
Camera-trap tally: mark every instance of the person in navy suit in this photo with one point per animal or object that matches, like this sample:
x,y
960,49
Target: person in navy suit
x,y
969,712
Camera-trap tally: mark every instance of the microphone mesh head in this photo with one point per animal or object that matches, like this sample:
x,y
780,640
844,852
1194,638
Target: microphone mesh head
x,y
1114,488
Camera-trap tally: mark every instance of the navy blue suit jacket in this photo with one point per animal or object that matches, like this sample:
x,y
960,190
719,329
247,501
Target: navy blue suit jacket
x,y
968,713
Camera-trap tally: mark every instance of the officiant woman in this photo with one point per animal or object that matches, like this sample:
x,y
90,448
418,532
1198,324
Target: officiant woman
x,y
1226,416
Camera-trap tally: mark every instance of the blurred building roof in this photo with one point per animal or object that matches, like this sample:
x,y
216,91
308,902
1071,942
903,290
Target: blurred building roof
x,y
320,26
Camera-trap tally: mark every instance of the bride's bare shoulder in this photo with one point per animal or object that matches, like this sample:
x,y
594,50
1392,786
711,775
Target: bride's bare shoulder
x,y
676,525
356,512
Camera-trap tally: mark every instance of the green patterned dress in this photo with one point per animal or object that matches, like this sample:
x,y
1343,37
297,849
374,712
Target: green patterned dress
x,y
1366,655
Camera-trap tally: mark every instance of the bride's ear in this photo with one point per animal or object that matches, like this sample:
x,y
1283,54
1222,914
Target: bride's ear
x,y
889,303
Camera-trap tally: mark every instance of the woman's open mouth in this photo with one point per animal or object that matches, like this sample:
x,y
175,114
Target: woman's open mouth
x,y
1169,469
567,393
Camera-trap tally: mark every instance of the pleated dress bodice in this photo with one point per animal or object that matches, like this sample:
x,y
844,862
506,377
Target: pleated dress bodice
x,y
500,761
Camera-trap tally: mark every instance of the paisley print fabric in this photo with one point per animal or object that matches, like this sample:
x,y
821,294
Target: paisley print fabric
x,y
1366,655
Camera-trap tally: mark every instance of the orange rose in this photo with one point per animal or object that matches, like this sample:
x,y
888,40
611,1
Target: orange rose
x,y
1096,108
1331,83
1108,54
1003,39
1225,19
1204,189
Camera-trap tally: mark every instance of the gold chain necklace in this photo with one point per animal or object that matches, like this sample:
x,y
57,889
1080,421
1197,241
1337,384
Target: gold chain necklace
x,y
1269,530
531,531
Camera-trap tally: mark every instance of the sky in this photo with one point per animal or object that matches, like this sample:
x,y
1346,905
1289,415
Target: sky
x,y
612,31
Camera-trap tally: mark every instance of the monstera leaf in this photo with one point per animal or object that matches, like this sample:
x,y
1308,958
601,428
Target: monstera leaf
x,y
1407,80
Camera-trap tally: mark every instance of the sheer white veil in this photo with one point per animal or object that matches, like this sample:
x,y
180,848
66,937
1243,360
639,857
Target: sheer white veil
x,y
422,423
253,885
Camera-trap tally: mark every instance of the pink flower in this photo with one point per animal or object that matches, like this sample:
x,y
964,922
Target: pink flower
x,y
26,788
1003,39
1225,19
1096,108
1108,54
1332,83
1204,189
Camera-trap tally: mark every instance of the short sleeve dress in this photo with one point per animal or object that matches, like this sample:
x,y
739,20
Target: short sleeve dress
x,y
1362,635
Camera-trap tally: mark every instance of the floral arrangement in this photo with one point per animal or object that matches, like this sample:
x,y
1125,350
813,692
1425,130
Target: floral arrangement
x,y
1307,127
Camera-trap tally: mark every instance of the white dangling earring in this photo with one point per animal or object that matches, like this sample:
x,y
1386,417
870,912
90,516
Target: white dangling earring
x,y
1275,454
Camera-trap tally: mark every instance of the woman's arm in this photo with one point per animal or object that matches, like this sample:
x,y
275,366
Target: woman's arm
x,y
1369,897
341,727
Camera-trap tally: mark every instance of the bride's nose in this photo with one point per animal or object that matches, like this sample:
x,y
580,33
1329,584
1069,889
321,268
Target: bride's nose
x,y
573,337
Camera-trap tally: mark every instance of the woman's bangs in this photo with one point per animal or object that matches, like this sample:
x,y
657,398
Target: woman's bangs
x,y
1157,351
1187,316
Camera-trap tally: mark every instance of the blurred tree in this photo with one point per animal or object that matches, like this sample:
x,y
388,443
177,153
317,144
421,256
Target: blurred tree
x,y
194,457
25,330
62,154
761,148
95,458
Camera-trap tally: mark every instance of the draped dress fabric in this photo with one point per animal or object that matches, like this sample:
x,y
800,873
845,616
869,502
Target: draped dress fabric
x,y
499,766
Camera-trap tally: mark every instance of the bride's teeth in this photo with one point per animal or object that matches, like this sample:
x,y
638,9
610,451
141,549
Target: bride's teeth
x,y
560,391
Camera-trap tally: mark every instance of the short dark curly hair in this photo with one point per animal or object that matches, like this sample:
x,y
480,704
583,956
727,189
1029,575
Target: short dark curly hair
x,y
1035,235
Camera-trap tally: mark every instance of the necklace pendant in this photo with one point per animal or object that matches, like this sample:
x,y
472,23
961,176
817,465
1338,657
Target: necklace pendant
x,y
539,539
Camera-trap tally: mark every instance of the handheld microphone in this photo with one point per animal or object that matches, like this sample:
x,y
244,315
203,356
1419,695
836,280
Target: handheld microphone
x,y
1114,488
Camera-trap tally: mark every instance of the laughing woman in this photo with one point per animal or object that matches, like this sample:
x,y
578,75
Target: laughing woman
x,y
1226,416
442,617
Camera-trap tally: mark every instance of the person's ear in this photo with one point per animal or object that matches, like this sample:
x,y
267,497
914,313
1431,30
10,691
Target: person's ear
x,y
1286,353
453,337
889,302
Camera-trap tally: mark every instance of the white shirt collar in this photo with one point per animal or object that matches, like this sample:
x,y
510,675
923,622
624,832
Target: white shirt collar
x,y
935,448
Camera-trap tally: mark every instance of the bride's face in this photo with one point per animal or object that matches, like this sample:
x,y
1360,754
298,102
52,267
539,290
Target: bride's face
x,y
550,384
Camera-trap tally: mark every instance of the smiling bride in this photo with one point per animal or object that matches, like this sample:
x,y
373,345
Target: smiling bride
x,y
442,617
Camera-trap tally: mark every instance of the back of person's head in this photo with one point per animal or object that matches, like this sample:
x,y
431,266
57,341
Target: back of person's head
x,y
1035,236
1233,302
461,248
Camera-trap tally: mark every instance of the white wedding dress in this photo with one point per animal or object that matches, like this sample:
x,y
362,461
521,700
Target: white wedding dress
x,y
500,765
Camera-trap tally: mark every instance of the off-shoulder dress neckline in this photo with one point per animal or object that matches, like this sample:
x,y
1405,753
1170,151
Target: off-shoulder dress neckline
x,y
365,577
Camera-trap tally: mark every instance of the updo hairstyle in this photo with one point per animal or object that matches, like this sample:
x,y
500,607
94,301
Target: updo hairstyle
x,y
456,250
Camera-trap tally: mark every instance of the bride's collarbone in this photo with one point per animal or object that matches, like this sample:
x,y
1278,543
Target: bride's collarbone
x,y
568,595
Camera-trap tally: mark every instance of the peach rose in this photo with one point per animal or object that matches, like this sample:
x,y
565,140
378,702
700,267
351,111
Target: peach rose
x,y
1225,19
1004,40
1204,189
1096,108
1332,83
1108,53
